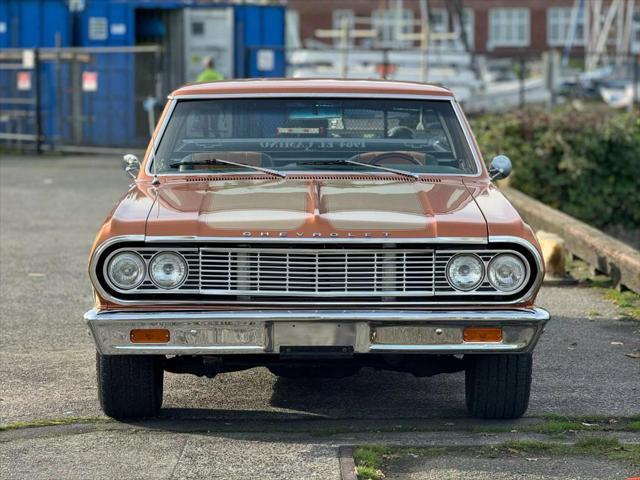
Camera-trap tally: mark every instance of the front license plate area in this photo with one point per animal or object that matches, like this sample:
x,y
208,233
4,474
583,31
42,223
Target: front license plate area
x,y
312,334
303,353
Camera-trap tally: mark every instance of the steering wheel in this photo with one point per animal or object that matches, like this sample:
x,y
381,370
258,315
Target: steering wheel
x,y
401,131
396,156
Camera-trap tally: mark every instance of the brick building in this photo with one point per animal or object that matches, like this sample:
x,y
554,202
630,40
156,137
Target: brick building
x,y
494,27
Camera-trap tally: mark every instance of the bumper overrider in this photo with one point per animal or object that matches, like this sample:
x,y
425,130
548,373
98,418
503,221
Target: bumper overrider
x,y
280,331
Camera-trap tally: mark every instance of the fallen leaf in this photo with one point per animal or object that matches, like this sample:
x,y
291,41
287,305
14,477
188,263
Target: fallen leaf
x,y
635,354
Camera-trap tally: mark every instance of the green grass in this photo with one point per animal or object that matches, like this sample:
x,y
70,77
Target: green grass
x,y
628,302
556,427
368,473
551,424
369,461
634,426
371,456
53,422
610,448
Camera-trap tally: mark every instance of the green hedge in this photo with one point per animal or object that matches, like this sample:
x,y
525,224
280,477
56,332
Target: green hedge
x,y
583,162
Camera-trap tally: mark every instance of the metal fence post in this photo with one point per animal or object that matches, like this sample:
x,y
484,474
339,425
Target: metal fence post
x,y
636,78
385,64
523,74
37,100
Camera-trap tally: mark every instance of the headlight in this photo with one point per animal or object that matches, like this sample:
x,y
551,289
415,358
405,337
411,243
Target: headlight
x,y
507,272
126,270
168,270
465,272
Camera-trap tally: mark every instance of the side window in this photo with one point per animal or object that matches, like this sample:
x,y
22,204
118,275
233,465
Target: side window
x,y
197,28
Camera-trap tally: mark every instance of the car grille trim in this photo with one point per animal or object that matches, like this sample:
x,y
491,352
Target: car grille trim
x,y
327,272
263,272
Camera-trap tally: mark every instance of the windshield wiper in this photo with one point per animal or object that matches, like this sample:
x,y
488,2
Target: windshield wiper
x,y
353,162
211,160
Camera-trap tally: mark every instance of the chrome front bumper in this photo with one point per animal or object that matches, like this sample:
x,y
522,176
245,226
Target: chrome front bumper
x,y
273,331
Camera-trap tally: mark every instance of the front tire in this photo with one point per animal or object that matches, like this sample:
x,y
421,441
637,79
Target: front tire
x,y
498,386
130,386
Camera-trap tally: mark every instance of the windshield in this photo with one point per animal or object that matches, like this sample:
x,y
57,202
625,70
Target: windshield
x,y
315,134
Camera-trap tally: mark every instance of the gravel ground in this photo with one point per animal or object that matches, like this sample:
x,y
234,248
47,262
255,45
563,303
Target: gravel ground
x,y
50,210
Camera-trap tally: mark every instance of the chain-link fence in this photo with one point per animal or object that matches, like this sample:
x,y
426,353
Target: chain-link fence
x,y
110,97
480,82
79,98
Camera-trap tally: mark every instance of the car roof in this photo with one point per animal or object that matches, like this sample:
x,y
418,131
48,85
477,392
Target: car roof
x,y
282,86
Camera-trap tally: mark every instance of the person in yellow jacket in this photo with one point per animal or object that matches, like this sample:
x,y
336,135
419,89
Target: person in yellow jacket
x,y
209,74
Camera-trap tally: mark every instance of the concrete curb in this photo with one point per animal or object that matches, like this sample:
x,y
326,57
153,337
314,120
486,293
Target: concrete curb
x,y
604,253
347,463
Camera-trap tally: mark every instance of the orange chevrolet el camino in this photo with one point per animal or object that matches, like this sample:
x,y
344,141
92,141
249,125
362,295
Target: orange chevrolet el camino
x,y
314,227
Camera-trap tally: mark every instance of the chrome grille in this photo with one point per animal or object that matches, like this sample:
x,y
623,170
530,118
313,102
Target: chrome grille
x,y
379,274
330,272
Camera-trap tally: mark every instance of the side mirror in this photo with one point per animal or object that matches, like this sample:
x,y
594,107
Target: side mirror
x,y
131,165
500,167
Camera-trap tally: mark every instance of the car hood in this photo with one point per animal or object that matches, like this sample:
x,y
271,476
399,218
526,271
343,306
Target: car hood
x,y
328,207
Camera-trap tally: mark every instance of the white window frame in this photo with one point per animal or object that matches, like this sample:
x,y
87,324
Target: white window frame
x,y
496,20
389,34
635,31
336,19
453,45
560,17
442,45
469,25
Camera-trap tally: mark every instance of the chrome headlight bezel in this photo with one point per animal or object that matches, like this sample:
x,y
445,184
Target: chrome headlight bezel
x,y
137,258
180,259
492,266
473,257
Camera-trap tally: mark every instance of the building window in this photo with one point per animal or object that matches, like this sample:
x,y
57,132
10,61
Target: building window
x,y
635,32
509,27
559,26
439,23
339,18
197,28
391,25
468,24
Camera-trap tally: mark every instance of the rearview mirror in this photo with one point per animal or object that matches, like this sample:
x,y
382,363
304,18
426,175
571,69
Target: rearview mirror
x,y
131,165
500,167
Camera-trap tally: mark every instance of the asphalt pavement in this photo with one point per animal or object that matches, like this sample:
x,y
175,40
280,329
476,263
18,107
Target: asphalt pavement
x,y
50,209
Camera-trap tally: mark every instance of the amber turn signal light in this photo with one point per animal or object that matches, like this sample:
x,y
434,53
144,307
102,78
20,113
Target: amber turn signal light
x,y
149,335
482,334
